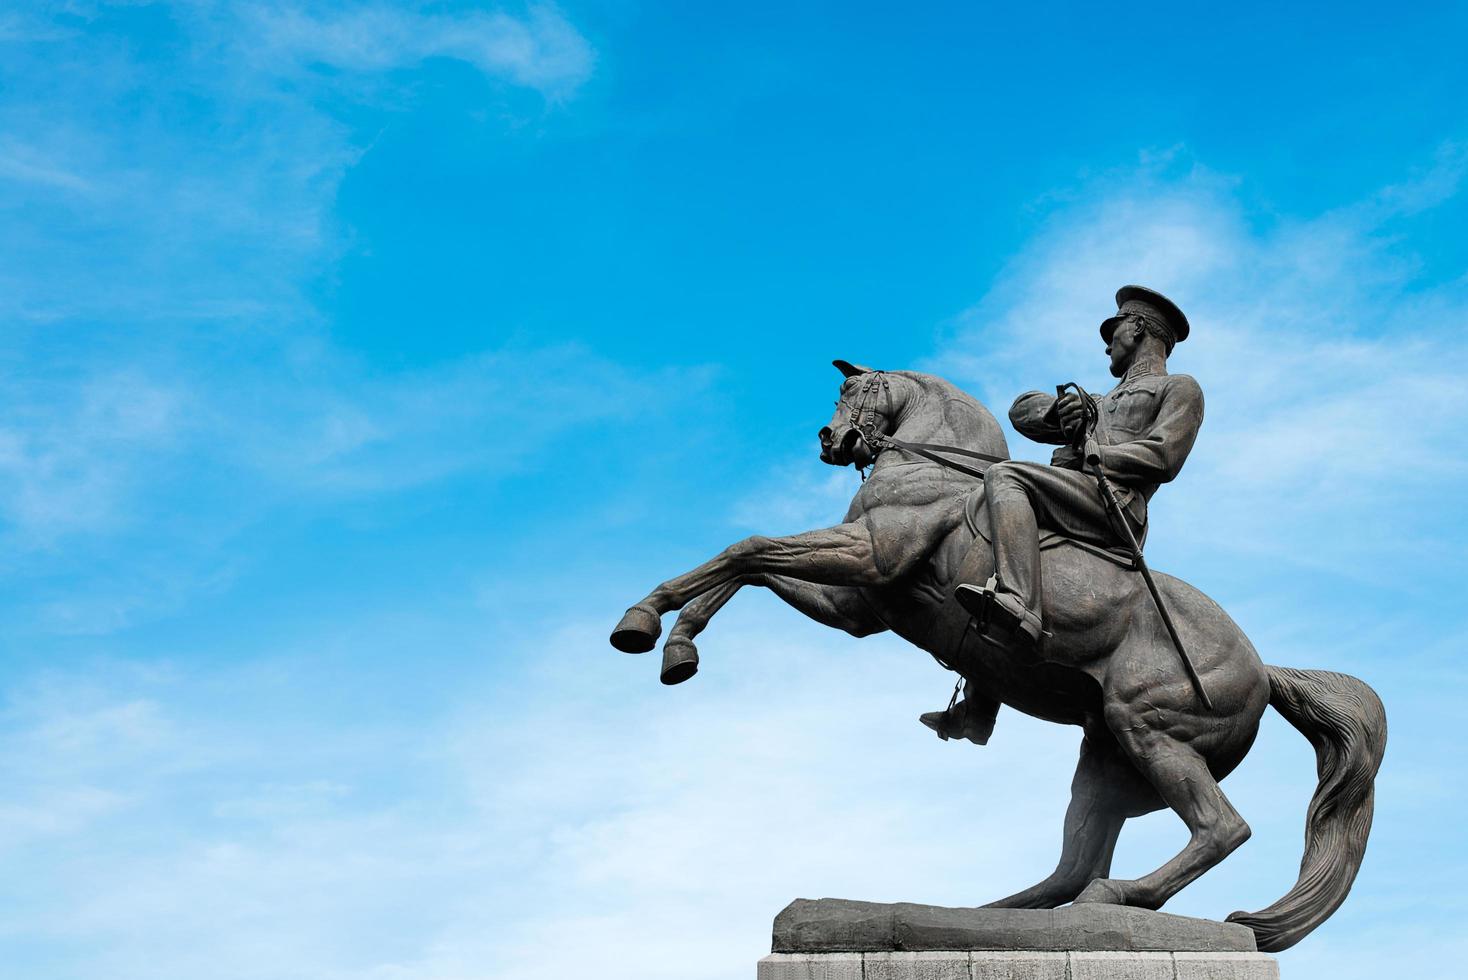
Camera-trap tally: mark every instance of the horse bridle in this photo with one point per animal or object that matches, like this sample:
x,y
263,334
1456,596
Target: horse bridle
x,y
864,410
864,421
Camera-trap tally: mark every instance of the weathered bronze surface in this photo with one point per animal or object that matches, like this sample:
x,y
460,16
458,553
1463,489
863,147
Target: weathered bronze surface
x,y
1099,656
833,925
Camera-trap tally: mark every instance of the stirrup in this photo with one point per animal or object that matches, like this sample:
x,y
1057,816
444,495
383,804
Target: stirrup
x,y
998,618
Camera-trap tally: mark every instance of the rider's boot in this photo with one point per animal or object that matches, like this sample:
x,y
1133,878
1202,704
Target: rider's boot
x,y
1003,618
963,720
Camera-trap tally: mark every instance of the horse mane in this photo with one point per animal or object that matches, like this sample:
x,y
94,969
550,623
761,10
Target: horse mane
x,y
966,420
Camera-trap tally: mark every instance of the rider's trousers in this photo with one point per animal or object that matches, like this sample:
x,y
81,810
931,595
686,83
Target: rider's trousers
x,y
1024,497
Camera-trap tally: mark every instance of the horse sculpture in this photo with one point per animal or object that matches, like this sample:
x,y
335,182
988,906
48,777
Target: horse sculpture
x,y
1107,666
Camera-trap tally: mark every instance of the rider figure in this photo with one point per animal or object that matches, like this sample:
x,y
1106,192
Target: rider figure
x,y
1145,427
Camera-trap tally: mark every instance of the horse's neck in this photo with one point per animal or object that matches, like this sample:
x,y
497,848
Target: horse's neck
x,y
922,415
919,429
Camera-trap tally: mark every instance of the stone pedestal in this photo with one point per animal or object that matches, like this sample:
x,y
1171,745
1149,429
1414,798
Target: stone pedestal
x,y
1018,965
833,939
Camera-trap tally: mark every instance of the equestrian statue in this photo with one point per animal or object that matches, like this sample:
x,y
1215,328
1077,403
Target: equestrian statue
x,y
1029,581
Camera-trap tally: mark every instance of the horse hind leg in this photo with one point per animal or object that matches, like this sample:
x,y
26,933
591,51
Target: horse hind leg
x,y
1106,791
1181,777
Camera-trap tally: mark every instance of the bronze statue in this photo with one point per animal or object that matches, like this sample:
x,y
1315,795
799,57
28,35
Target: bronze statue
x,y
1165,687
1145,428
1136,437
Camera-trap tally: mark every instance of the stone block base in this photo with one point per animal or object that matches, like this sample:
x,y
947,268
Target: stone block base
x,y
1018,965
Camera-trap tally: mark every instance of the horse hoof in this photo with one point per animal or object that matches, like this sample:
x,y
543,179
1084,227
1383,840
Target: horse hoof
x,y
1102,891
638,631
680,661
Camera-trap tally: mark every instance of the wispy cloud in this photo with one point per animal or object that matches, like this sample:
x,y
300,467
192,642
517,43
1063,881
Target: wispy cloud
x,y
534,845
560,806
1320,504
20,163
69,461
797,497
145,486
116,211
1332,378
335,428
280,815
540,50
169,207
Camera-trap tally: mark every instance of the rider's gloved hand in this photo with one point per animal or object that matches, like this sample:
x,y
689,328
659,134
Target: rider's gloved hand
x,y
1070,412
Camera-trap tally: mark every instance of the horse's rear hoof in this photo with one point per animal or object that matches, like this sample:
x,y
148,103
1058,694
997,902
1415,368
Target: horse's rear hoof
x,y
680,661
1102,891
638,631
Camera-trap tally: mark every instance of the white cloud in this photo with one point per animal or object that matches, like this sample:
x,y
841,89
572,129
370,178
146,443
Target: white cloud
x,y
192,186
571,811
1333,383
334,428
24,164
1333,452
165,357
584,810
797,496
144,485
540,50
152,273
50,812
67,463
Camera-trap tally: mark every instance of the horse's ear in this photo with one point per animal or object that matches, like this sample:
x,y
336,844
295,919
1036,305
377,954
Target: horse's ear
x,y
851,370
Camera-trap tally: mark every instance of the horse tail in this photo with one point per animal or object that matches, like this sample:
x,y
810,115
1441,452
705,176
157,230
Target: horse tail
x,y
1343,718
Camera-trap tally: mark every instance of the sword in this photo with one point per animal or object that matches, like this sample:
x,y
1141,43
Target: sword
x,y
1108,495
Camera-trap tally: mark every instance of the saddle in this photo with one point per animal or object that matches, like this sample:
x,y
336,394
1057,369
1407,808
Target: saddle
x,y
975,514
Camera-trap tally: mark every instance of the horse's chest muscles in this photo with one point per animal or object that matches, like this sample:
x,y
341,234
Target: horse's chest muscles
x,y
906,518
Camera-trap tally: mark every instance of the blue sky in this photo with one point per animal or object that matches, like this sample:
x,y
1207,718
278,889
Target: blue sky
x,y
361,362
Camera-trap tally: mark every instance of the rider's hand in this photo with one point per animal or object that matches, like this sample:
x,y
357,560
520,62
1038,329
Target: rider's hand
x,y
1071,412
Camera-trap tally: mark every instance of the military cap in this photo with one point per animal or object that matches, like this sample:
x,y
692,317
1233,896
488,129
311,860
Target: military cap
x,y
1151,306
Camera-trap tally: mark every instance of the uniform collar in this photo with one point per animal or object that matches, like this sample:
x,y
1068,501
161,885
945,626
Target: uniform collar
x,y
1145,369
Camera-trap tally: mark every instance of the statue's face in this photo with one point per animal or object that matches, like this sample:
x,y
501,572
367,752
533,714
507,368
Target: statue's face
x,y
1125,340
841,442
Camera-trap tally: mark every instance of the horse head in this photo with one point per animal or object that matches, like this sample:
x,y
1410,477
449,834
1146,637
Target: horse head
x,y
864,406
910,405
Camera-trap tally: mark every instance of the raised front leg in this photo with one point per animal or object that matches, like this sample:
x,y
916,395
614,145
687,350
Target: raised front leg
x,y
836,556
840,607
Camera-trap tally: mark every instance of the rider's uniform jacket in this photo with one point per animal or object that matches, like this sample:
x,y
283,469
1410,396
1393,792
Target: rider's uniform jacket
x,y
1146,428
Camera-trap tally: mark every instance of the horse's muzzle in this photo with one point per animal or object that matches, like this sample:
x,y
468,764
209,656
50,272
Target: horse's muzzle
x,y
850,448
826,445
